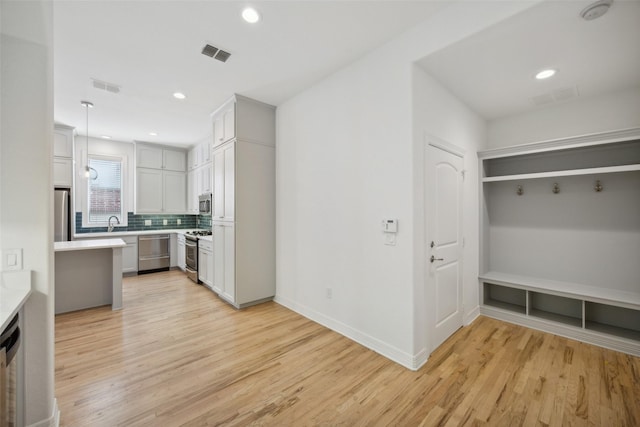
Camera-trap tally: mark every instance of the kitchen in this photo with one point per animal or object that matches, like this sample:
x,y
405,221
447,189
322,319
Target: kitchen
x,y
334,142
223,187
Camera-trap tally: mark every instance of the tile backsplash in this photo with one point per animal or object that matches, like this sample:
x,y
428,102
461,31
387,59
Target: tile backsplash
x,y
136,223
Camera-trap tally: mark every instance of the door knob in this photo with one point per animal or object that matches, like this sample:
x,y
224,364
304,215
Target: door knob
x,y
433,258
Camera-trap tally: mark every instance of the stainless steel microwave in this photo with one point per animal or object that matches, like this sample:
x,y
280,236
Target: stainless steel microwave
x,y
205,204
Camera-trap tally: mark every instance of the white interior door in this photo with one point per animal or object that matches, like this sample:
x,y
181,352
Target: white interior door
x,y
443,199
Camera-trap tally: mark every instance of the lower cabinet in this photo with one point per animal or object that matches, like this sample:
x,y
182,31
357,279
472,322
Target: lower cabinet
x,y
130,254
224,281
180,262
205,262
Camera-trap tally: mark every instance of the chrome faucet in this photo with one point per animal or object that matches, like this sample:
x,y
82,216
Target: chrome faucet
x,y
110,229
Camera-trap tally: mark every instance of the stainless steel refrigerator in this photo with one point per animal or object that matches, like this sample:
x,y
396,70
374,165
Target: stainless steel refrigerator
x,y
62,224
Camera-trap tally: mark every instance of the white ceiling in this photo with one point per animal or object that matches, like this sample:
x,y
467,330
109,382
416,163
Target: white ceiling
x,y
153,48
492,71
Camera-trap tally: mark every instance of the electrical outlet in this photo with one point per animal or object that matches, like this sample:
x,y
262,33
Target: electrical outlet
x,y
165,222
329,293
12,259
147,222
179,221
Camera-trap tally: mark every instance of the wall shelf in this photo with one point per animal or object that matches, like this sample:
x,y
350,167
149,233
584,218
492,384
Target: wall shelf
x,y
564,264
572,172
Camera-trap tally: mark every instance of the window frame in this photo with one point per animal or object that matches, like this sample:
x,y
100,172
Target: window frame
x,y
123,196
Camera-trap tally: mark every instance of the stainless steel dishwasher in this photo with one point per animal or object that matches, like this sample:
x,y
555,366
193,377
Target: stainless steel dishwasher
x,y
153,253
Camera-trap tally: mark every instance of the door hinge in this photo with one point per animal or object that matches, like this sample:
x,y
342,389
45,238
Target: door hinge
x,y
463,173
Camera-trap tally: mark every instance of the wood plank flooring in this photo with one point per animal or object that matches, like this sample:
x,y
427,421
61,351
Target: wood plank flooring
x,y
176,355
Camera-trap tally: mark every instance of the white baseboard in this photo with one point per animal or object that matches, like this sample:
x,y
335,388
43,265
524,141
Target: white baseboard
x,y
53,420
409,361
590,337
472,315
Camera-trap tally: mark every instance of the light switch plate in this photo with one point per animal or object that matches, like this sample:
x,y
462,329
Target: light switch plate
x,y
147,222
164,222
179,221
11,259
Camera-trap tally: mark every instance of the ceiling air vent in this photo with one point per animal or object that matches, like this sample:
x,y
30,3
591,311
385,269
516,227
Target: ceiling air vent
x,y
109,87
216,53
556,95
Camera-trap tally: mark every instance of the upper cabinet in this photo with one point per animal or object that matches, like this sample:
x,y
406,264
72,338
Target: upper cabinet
x,y
161,179
244,119
63,141
157,157
62,156
224,123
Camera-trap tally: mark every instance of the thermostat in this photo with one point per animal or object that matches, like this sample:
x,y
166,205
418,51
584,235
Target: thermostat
x,y
390,225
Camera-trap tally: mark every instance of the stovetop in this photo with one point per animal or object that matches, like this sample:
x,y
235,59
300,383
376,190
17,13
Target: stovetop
x,y
199,233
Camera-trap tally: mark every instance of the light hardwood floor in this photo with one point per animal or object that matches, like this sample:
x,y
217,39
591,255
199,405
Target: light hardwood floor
x,y
177,355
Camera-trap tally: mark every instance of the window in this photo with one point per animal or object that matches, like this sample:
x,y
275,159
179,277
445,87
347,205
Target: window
x,y
104,190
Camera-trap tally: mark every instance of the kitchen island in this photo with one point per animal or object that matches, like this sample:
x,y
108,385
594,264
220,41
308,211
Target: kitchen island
x,y
88,273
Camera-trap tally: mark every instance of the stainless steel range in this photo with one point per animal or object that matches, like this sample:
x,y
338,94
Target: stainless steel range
x,y
191,252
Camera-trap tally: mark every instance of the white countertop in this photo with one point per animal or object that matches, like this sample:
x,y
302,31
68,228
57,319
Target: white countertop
x,y
76,245
15,288
131,233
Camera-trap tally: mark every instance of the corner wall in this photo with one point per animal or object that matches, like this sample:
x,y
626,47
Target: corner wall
x,y
344,161
26,186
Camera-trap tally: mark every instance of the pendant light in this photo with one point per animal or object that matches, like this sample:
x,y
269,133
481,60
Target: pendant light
x,y
89,172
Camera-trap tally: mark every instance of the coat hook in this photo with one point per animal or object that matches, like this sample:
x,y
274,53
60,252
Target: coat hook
x,y
519,190
556,188
598,186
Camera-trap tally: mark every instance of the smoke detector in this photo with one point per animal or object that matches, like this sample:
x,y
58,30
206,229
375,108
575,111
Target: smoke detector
x,y
595,10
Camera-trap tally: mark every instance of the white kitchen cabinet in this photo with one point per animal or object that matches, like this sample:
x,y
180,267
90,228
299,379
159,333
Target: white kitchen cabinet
x,y
149,190
205,262
130,254
224,282
63,141
174,197
553,256
224,182
224,123
148,156
205,179
62,156
159,157
62,172
193,158
244,203
192,192
180,261
161,180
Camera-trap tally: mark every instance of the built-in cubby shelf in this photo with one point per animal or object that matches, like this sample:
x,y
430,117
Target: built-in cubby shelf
x,y
564,263
560,173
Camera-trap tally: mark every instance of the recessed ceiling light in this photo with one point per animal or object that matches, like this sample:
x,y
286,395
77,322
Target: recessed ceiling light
x,y
250,15
179,95
105,137
545,74
153,133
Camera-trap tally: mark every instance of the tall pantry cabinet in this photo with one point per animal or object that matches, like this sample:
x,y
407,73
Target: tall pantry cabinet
x,y
243,217
560,237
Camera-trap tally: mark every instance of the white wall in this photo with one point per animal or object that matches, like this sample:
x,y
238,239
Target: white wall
x,y
345,160
440,117
578,117
26,184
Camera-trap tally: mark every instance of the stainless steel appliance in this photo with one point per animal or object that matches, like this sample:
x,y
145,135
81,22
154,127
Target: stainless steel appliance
x,y
62,219
204,205
191,257
9,344
153,253
191,252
